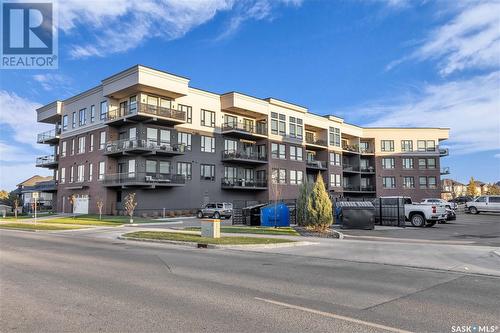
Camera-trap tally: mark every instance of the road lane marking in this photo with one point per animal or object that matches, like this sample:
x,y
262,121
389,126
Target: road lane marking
x,y
334,316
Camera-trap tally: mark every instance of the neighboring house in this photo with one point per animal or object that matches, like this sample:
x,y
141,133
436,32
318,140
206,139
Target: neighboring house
x,y
451,189
149,132
44,186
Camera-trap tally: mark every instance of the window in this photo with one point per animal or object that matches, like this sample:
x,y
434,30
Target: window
x,y
132,105
388,163
230,173
408,182
188,110
422,163
296,153
151,166
387,145
278,151
431,182
164,136
207,118
334,136
132,133
431,163
494,199
407,163
364,147
65,122
389,182
274,123
207,172
184,139
296,177
63,149
207,144
335,159
279,176
296,128
91,171
131,168
92,113
73,120
184,168
72,146
431,145
480,199
282,124
164,167
81,145
91,147
63,175
421,145
80,176
103,110
102,140
230,121
82,117
406,145
422,182
335,180
71,174
230,146
101,170
152,136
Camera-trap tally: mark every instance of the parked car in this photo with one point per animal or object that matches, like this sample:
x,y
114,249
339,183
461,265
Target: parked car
x,y
216,210
461,200
485,203
438,201
419,215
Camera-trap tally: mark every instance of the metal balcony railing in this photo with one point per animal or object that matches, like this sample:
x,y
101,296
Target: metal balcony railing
x,y
316,164
243,155
353,148
137,144
317,142
142,108
348,167
243,183
367,169
445,171
48,135
443,152
46,160
351,187
367,188
259,128
143,178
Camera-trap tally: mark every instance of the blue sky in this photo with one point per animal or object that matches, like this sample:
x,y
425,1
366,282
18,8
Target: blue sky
x,y
372,62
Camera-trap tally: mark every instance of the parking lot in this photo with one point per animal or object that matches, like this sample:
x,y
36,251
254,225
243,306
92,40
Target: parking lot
x,y
481,229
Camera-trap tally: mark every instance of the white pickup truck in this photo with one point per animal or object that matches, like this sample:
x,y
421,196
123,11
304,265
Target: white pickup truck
x,y
419,215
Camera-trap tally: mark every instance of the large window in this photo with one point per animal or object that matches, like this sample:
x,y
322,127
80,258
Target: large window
x,y
278,151
296,153
406,145
408,182
101,170
164,137
296,127
389,182
103,110
274,123
184,168
207,144
387,145
278,123
102,140
184,139
71,174
230,146
230,172
335,180
80,175
431,163
188,110
207,118
407,163
73,120
388,163
81,145
426,145
296,177
422,163
207,172
92,113
91,171
431,182
132,107
334,136
151,166
278,176
131,168
422,182
335,159
63,149
82,118
65,122
91,146
72,146
63,175
152,136
164,167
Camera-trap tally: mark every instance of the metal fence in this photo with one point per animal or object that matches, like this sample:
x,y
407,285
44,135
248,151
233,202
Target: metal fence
x,y
388,211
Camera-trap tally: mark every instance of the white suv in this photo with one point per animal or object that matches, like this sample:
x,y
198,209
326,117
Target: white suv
x,y
485,203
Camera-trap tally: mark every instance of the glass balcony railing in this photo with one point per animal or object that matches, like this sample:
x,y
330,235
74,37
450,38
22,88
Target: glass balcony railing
x,y
317,142
146,109
145,145
243,183
258,128
243,155
143,179
316,164
46,160
48,135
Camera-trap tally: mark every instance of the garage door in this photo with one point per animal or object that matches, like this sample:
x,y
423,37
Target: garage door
x,y
81,205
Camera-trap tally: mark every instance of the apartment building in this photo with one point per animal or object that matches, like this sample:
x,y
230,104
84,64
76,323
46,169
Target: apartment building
x,y
147,131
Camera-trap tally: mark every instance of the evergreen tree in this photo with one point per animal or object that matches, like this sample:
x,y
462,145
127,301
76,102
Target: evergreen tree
x,y
319,206
302,213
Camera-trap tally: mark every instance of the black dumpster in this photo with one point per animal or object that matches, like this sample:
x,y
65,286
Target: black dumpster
x,y
356,214
251,214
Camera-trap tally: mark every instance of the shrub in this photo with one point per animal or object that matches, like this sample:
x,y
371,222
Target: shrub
x,y
319,207
302,213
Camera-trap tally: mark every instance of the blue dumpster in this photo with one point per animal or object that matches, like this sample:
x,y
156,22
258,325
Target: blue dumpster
x,y
275,215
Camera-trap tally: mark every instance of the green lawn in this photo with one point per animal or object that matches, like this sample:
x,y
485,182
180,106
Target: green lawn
x,y
24,217
37,226
255,230
162,235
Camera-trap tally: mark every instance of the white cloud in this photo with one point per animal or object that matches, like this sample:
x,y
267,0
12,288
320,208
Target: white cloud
x,y
50,82
470,107
118,26
470,40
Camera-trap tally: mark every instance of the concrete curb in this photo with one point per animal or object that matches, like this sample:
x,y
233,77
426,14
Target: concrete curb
x,y
217,246
496,252
407,240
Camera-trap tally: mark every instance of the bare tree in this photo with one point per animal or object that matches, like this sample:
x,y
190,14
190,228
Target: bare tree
x,y
277,189
72,199
100,205
16,206
130,205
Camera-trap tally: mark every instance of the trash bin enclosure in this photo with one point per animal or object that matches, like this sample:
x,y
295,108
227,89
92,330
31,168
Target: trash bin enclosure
x,y
275,215
251,215
356,214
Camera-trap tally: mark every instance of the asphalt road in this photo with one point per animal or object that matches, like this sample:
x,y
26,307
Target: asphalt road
x,y
482,229
61,282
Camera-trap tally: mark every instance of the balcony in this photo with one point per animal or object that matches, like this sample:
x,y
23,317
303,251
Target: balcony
x,y
242,130
243,157
136,146
142,179
353,149
445,171
243,184
359,188
49,161
367,188
316,144
350,168
141,112
443,152
368,169
49,137
316,165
